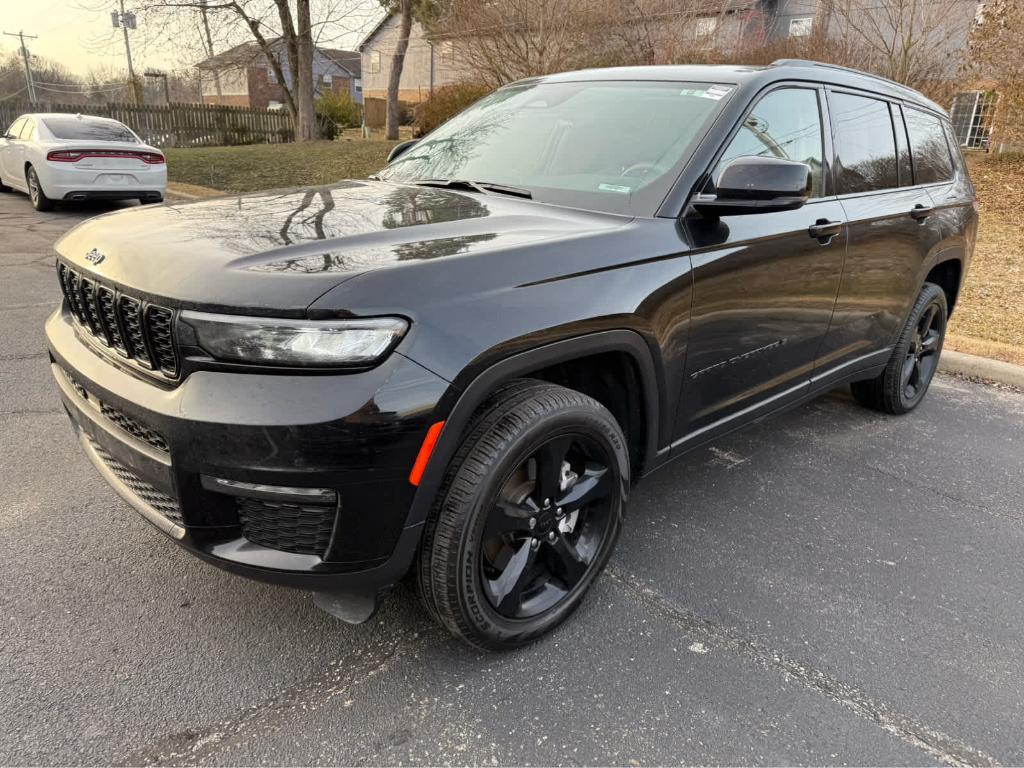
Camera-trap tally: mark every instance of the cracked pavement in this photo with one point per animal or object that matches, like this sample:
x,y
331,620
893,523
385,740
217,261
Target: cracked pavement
x,y
831,587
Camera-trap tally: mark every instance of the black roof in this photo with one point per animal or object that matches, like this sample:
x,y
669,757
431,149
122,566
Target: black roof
x,y
757,76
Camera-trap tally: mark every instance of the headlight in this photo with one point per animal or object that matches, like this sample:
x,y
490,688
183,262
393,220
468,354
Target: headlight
x,y
273,341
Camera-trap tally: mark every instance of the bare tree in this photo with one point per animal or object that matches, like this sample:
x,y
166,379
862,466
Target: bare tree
x,y
284,33
508,40
920,43
404,10
997,62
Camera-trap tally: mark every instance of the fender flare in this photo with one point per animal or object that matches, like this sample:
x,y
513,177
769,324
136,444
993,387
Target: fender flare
x,y
952,253
522,363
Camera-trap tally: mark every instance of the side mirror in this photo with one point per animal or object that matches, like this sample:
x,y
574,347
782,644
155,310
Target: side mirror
x,y
757,185
401,149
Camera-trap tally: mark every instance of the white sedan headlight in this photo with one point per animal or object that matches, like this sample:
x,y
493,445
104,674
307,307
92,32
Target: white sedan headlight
x,y
274,341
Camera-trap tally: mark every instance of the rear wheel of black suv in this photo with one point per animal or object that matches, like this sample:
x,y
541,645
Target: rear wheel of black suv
x,y
904,382
527,517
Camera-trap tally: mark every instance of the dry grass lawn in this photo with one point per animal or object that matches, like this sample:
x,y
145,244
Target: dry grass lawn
x,y
989,318
272,166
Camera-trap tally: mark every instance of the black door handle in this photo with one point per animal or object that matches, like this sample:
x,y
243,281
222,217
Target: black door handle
x,y
824,230
921,212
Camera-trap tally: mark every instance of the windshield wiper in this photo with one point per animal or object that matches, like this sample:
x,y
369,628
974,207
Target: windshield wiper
x,y
483,187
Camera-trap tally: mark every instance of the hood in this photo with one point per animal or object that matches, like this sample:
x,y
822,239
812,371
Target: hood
x,y
276,252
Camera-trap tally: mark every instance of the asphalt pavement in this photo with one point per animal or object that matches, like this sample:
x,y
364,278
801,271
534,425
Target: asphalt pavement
x,y
833,586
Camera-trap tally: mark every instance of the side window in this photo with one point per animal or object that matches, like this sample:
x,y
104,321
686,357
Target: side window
x,y
28,130
865,146
16,127
785,123
928,145
906,171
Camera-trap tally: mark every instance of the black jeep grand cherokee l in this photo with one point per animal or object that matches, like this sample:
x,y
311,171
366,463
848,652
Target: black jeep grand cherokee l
x,y
459,367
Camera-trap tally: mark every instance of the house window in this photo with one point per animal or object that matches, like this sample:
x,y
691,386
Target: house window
x,y
447,52
706,27
801,27
374,62
358,85
972,118
328,79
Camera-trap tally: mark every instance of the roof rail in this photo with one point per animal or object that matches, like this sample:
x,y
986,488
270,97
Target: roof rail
x,y
809,63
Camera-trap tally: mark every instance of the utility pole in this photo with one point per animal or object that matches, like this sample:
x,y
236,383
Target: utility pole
x,y
30,84
126,20
209,50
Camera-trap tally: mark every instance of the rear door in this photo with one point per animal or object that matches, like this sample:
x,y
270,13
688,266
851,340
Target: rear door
x,y
891,232
763,284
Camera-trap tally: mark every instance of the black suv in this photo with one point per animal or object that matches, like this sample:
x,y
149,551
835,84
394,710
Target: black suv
x,y
457,368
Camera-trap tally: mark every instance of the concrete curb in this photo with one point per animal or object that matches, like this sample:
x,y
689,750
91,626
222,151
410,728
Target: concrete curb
x,y
175,190
982,368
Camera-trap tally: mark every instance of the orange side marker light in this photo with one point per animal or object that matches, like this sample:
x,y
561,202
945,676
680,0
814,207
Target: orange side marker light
x,y
425,450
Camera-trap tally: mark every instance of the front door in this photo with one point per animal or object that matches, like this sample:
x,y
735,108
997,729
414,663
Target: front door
x,y
764,284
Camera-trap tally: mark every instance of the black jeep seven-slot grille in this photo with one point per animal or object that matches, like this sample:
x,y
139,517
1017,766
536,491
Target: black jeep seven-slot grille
x,y
143,333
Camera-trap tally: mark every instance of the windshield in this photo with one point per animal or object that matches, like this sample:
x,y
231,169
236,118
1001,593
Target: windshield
x,y
613,146
88,128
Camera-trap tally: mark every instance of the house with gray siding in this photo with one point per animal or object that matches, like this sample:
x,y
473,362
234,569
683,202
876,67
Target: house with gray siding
x,y
243,77
428,64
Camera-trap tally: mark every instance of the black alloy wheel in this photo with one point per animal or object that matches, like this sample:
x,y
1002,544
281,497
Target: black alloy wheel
x,y
914,360
922,353
527,515
546,526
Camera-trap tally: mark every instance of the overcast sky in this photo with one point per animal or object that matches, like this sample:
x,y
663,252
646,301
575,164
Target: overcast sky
x,y
80,38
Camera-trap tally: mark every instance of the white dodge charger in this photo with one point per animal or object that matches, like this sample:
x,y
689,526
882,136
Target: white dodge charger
x,y
59,157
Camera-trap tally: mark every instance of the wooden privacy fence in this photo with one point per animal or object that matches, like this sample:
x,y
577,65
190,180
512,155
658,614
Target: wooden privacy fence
x,y
177,125
375,112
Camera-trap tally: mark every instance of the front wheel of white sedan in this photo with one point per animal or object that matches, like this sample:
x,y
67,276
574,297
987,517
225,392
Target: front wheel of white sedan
x,y
35,191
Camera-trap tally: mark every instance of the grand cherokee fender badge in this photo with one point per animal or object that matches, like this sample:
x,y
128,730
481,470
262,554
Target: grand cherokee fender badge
x,y
95,257
738,358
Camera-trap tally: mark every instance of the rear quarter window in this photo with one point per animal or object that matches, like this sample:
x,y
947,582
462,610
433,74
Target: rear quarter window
x,y
88,129
929,147
865,144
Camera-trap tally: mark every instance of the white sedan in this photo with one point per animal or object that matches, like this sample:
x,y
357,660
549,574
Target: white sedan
x,y
60,157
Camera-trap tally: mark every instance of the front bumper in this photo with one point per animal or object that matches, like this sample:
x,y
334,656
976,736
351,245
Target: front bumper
x,y
164,449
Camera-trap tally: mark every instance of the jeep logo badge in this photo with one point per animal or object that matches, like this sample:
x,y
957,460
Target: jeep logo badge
x,y
94,257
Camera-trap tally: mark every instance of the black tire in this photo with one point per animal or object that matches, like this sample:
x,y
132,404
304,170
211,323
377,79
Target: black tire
x,y
150,200
901,387
522,422
35,191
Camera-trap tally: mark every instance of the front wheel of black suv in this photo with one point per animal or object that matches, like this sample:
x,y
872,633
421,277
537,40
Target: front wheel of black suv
x,y
904,382
527,517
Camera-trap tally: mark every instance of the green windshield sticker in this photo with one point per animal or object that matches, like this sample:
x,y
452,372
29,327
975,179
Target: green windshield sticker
x,y
614,188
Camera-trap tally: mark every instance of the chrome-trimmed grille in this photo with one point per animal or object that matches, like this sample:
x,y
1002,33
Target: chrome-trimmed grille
x,y
139,331
165,505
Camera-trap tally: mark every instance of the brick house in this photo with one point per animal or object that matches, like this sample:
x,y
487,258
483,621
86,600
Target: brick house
x,y
246,78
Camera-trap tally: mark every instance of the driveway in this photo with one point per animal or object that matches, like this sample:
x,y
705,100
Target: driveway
x,y
834,586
